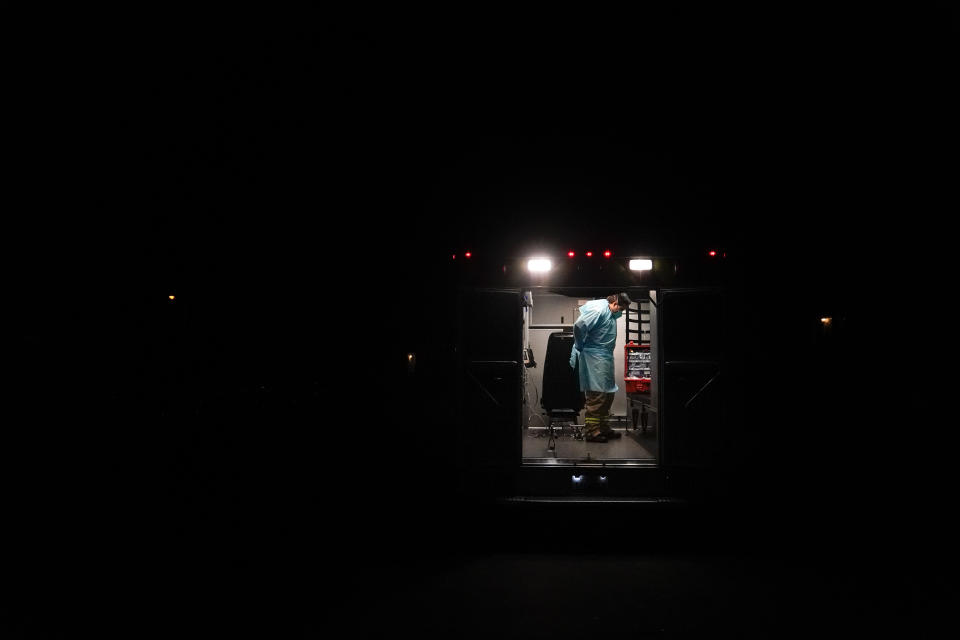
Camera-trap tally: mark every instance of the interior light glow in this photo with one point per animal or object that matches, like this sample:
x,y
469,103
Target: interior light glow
x,y
641,264
539,265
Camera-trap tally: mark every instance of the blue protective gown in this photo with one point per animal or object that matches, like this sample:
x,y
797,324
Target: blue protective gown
x,y
595,336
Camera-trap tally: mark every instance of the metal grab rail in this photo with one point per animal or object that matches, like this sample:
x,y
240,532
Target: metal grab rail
x,y
481,385
686,405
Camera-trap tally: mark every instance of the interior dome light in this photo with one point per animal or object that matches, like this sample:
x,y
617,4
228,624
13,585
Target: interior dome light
x,y
539,265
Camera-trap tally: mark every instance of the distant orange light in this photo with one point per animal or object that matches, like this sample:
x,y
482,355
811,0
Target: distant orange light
x,y
172,297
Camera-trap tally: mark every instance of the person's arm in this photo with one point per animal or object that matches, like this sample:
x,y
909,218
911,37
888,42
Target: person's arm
x,y
577,344
583,326
579,333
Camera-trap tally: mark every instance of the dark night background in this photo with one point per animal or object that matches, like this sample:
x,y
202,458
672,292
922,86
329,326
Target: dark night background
x,y
300,193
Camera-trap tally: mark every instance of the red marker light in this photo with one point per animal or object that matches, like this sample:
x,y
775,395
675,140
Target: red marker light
x,y
467,254
712,254
589,254
607,254
453,257
570,254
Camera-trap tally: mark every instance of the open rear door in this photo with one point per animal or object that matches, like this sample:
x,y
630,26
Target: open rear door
x,y
490,383
695,432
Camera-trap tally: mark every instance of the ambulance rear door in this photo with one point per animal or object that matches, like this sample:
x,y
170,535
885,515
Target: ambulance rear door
x,y
696,429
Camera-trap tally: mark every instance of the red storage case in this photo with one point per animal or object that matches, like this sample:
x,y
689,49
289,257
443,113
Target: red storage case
x,y
636,364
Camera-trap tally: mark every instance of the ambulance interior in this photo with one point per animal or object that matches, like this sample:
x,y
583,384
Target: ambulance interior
x,y
553,412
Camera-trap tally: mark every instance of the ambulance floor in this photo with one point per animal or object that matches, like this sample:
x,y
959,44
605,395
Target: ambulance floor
x,y
633,445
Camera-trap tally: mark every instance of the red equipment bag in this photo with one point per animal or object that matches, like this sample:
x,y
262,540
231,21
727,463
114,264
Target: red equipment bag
x,y
636,363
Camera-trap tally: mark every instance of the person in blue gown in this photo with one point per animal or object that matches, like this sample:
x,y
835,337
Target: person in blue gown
x,y
595,336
